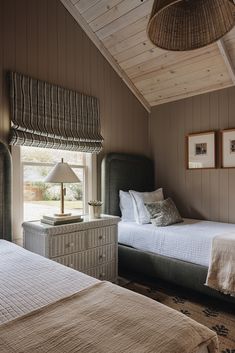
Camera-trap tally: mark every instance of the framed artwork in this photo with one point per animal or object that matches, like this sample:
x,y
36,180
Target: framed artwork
x,y
228,148
200,150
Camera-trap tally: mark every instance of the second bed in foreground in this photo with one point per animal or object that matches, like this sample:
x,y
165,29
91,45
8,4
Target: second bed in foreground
x,y
47,307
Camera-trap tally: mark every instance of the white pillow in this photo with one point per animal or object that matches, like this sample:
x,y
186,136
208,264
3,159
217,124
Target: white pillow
x,y
126,206
141,213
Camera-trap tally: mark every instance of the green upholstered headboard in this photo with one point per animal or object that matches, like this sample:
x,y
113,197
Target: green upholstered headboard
x,y
124,172
5,193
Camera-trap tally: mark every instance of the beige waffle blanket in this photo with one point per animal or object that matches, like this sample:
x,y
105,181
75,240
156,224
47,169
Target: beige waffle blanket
x,y
105,318
221,273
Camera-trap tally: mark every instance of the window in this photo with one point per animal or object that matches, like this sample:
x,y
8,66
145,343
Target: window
x,y
32,197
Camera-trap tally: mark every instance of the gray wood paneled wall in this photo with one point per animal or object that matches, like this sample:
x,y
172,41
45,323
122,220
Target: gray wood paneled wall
x,y
207,194
40,38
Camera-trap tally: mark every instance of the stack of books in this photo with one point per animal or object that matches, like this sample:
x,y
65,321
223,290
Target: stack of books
x,y
57,220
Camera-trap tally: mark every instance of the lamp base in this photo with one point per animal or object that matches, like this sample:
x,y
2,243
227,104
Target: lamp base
x,y
62,214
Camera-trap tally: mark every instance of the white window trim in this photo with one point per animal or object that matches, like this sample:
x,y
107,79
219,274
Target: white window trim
x,y
91,178
17,182
90,186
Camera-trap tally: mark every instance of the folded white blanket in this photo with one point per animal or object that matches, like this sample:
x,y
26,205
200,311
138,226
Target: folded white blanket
x,y
221,273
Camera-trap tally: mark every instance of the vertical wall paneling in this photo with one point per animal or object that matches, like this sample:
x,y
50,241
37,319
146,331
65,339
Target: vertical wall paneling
x,y
42,38
62,45
204,104
214,188
52,41
223,173
188,173
22,36
32,36
207,194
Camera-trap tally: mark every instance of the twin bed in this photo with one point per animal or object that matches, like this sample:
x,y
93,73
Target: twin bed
x,y
46,307
179,253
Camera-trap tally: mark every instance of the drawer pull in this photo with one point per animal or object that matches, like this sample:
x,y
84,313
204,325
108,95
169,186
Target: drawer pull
x,y
102,275
103,256
71,265
100,237
69,245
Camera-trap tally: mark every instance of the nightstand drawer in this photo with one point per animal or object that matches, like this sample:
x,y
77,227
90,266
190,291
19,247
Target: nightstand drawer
x,y
101,236
105,272
67,243
89,258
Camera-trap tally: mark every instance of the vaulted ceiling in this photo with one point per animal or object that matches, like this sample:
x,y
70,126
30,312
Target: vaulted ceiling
x,y
155,76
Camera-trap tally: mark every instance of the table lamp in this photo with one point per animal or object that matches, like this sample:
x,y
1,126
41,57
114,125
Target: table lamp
x,y
62,173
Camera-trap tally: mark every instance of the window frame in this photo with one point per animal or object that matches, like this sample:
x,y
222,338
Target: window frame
x,y
89,184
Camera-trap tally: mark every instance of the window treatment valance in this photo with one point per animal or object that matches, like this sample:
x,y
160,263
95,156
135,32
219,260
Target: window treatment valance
x,y
46,115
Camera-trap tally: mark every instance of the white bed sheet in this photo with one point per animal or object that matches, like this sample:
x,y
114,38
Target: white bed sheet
x,y
188,241
29,281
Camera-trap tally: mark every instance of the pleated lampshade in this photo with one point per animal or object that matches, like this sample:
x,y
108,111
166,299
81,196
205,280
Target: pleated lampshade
x,y
182,25
62,173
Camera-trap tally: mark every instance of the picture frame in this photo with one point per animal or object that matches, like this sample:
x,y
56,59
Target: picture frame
x,y
200,150
228,148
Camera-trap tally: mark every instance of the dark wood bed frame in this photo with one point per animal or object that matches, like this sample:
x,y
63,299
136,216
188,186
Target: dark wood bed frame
x,y
125,172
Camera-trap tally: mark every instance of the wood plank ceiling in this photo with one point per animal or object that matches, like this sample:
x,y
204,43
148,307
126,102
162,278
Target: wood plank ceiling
x,y
155,76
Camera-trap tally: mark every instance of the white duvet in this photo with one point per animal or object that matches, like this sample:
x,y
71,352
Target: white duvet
x,y
188,241
29,281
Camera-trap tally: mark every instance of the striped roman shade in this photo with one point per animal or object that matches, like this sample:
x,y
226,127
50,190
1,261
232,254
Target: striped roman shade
x,y
46,115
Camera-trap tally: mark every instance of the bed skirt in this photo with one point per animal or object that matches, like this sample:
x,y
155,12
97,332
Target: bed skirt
x,y
145,264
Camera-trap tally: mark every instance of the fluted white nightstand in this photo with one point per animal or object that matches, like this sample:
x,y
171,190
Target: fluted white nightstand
x,y
90,246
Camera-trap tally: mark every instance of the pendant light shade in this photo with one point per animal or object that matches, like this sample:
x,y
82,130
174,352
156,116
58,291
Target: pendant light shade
x,y
189,24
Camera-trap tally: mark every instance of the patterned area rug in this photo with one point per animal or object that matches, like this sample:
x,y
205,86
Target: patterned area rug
x,y
211,313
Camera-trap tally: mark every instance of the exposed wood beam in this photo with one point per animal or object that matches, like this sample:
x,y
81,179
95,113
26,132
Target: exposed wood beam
x,y
227,59
84,25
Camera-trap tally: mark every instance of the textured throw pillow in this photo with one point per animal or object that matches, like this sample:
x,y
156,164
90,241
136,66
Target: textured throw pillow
x,y
163,213
126,206
139,198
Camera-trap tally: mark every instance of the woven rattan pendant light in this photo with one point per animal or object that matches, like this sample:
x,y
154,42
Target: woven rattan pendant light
x,y
189,24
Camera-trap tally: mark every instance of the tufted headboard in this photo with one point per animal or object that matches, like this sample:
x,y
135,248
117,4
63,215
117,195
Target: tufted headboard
x,y
5,193
124,172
